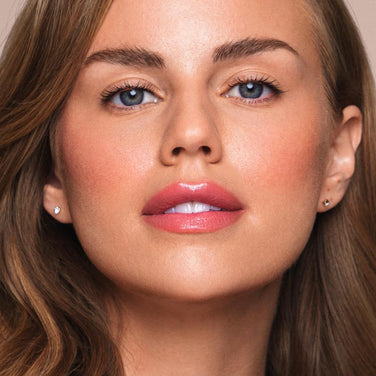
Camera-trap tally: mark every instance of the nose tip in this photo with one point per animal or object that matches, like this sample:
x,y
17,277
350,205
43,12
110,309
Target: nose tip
x,y
191,133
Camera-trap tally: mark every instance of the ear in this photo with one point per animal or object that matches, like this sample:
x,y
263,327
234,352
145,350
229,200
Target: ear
x,y
341,159
55,201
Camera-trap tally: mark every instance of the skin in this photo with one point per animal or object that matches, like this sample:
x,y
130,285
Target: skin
x,y
200,304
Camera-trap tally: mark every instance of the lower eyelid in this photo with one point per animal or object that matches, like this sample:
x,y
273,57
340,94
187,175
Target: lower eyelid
x,y
250,102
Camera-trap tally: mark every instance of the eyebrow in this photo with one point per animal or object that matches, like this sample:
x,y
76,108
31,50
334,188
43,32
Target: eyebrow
x,y
247,47
227,51
127,56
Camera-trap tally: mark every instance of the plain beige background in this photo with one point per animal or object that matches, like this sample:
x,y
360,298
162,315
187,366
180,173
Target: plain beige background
x,y
364,12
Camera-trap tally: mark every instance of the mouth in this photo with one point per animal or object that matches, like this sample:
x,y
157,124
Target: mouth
x,y
192,208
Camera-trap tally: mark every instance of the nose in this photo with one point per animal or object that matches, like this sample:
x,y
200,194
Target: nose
x,y
191,132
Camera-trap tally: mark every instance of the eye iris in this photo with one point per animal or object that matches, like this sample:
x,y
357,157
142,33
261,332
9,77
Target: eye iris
x,y
251,90
132,97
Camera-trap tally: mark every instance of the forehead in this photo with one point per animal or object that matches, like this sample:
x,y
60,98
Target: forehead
x,y
190,29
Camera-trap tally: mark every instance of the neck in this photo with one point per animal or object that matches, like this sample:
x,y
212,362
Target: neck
x,y
217,337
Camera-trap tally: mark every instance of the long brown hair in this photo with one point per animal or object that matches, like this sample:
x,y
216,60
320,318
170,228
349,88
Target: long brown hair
x,y
326,318
52,319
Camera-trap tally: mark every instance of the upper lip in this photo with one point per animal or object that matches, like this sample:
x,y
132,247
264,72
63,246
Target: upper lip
x,y
178,193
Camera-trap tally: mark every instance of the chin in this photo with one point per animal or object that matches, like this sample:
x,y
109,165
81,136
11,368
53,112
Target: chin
x,y
201,288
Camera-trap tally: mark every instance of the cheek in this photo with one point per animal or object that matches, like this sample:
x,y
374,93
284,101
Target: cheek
x,y
292,163
99,165
282,166
282,152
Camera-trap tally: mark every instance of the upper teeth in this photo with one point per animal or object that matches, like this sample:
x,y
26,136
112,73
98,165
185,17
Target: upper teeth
x,y
192,207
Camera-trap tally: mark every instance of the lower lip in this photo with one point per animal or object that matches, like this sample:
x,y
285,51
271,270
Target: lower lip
x,y
194,223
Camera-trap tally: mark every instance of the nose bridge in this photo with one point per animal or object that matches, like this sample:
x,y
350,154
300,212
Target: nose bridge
x,y
191,131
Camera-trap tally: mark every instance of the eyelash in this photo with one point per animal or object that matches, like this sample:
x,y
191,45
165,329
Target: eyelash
x,y
110,93
263,80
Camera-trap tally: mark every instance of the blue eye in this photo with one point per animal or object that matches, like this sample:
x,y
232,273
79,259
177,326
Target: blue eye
x,y
251,90
133,97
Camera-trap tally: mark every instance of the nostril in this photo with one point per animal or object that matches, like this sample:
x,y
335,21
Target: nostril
x,y
176,151
206,149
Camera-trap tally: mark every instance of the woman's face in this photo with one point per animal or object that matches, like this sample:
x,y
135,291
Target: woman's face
x,y
184,98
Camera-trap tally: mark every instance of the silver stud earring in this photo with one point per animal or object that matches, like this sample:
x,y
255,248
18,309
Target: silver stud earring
x,y
57,210
326,203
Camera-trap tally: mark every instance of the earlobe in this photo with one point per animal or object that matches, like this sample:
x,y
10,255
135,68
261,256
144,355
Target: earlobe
x,y
55,201
341,158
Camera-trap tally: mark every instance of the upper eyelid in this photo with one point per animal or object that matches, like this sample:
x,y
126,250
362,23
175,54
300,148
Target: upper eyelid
x,y
223,80
253,77
133,82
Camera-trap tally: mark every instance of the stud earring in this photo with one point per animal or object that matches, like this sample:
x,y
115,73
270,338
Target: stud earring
x,y
326,203
57,210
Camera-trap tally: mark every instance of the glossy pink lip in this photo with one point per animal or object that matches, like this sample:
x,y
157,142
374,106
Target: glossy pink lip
x,y
178,193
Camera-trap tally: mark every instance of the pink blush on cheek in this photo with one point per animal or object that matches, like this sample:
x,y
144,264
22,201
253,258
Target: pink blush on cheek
x,y
92,168
293,163
99,155
288,167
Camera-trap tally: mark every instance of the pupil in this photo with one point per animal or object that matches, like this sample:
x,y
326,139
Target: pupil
x,y
132,97
251,90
